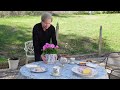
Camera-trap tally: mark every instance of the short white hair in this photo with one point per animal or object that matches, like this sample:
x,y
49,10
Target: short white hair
x,y
45,16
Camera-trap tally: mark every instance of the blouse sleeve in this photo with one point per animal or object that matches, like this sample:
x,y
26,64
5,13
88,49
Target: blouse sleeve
x,y
36,44
54,41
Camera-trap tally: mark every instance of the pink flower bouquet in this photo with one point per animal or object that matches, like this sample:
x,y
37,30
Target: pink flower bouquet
x,y
50,49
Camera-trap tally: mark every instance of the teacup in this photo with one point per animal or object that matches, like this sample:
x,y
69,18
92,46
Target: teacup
x,y
72,60
56,70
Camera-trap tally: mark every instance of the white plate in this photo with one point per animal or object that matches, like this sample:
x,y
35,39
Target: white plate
x,y
38,69
76,70
31,65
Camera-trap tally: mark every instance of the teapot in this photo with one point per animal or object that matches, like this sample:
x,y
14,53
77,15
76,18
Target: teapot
x,y
63,60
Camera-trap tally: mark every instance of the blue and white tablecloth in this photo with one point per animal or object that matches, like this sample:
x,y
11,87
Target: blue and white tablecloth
x,y
66,72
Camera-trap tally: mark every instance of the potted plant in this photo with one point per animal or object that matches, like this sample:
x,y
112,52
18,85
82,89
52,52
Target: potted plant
x,y
50,52
13,60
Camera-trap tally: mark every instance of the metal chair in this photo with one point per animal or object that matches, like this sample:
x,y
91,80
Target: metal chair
x,y
112,64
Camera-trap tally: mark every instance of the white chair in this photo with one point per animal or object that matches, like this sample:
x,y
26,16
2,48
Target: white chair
x,y
29,51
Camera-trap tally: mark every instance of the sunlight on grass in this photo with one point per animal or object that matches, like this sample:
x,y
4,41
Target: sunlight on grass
x,y
78,33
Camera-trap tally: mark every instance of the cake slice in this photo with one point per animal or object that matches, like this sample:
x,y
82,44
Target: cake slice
x,y
82,63
86,71
39,69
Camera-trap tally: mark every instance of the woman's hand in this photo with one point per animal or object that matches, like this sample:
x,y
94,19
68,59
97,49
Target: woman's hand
x,y
44,59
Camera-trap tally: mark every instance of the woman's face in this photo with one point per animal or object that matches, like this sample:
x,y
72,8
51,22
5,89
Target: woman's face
x,y
46,24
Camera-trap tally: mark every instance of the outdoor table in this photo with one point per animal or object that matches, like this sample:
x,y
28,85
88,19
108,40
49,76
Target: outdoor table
x,y
66,72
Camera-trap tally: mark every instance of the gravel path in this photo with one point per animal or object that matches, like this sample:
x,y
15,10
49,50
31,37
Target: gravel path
x,y
8,74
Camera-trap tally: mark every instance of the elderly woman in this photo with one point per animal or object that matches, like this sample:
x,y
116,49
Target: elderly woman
x,y
43,32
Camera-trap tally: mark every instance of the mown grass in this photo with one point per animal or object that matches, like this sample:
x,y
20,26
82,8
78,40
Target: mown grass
x,y
78,34
3,59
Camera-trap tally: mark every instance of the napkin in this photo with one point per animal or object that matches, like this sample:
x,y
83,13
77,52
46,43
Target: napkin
x,y
91,65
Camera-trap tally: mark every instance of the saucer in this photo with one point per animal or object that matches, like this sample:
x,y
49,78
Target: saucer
x,y
52,74
72,63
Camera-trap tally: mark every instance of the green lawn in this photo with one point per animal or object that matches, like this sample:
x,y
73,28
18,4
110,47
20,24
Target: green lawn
x,y
78,34
3,59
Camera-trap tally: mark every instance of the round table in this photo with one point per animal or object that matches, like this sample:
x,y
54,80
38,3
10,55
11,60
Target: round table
x,y
66,72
